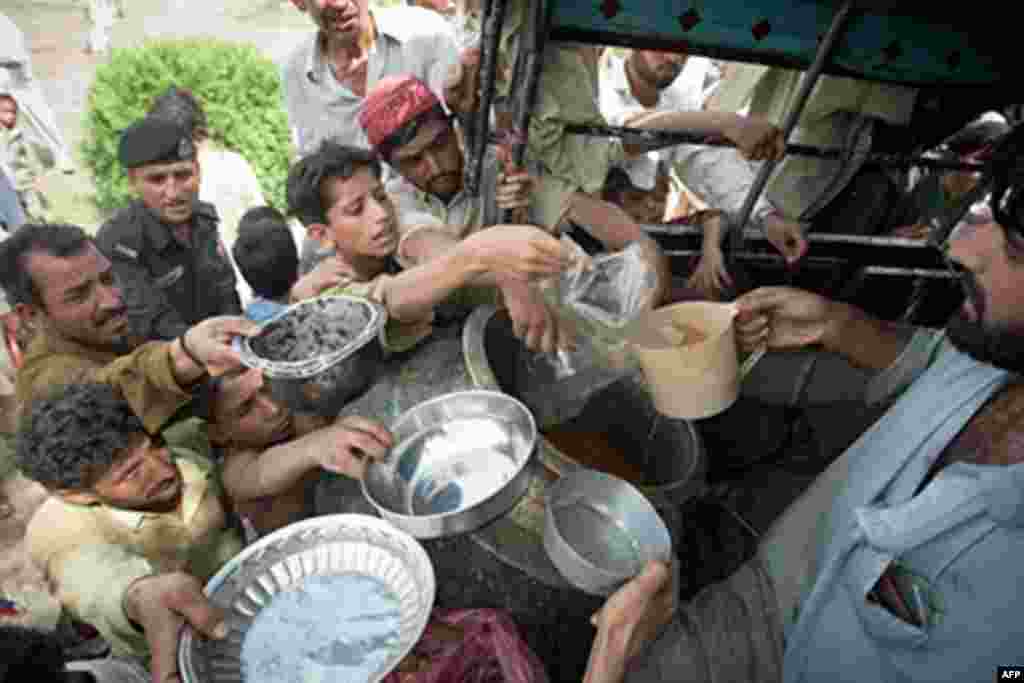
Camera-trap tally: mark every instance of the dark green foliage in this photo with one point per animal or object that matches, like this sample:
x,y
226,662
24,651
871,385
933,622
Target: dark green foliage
x,y
237,86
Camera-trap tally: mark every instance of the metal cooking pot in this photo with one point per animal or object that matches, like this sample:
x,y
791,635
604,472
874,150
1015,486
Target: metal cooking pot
x,y
459,461
323,383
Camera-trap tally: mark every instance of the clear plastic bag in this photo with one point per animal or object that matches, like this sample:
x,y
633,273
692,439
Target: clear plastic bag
x,y
596,298
610,289
470,646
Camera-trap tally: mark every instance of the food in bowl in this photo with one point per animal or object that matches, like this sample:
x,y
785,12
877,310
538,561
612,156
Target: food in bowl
x,y
330,628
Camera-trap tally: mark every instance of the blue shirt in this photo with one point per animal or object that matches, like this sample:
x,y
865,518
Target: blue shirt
x,y
261,310
12,215
962,536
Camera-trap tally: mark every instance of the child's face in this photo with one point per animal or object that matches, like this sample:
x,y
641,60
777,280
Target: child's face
x,y
8,111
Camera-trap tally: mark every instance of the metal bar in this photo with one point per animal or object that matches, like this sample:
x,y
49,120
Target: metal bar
x,y
813,238
493,17
534,63
659,139
937,274
534,43
792,116
881,271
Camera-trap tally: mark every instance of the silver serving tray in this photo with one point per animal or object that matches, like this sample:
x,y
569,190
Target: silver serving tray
x,y
322,546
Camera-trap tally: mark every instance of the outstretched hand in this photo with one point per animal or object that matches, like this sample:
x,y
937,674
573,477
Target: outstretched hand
x,y
629,620
351,443
462,83
161,604
211,341
782,318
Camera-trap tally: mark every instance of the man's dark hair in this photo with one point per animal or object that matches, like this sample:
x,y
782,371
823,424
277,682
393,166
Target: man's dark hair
x,y
56,239
306,199
265,252
30,655
69,439
181,106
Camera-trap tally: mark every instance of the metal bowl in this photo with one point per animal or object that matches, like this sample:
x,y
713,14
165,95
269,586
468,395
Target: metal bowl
x,y
321,384
600,531
459,461
326,546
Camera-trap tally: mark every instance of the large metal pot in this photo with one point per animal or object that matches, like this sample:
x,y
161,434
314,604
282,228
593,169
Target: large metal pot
x,y
459,461
321,383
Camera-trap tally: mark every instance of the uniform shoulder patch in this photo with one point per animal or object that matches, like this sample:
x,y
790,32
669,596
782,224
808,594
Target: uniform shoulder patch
x,y
126,251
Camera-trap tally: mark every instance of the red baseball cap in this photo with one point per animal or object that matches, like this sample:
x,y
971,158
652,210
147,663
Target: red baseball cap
x,y
392,104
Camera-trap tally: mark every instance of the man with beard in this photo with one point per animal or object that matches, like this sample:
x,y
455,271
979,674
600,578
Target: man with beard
x,y
125,504
406,125
642,89
165,246
899,562
65,289
338,195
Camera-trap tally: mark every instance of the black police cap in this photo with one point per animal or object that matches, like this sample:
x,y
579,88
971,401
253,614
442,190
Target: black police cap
x,y
154,141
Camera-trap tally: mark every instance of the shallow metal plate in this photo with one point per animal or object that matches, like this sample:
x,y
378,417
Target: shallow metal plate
x,y
326,546
455,456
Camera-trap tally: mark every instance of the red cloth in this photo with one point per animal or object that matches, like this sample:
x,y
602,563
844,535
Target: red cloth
x,y
482,646
394,102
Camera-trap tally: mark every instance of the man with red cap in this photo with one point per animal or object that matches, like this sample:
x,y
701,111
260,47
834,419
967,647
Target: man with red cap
x,y
406,125
326,78
338,195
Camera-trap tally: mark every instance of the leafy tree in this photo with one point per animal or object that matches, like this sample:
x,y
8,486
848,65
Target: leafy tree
x,y
238,87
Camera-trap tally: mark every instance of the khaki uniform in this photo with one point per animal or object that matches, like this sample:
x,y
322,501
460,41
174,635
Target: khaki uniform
x,y
833,117
567,91
93,553
169,286
145,376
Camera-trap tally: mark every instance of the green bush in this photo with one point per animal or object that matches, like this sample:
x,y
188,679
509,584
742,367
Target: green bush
x,y
238,87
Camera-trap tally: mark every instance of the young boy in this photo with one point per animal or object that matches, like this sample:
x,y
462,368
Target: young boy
x,y
125,504
268,259
20,160
338,195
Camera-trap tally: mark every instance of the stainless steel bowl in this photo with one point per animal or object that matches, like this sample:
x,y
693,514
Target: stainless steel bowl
x,y
600,531
322,384
331,545
459,461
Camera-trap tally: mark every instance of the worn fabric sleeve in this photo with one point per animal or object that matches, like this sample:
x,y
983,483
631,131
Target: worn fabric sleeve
x,y
145,378
729,632
91,582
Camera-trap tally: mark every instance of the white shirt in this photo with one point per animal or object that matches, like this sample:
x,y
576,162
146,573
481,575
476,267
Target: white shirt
x,y
410,40
718,175
229,183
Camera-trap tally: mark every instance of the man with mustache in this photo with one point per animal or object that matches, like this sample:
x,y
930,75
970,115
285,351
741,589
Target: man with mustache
x,y
327,77
899,562
165,246
409,129
61,285
338,195
638,91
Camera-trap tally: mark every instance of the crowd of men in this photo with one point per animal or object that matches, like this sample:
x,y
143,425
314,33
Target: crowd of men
x,y
161,456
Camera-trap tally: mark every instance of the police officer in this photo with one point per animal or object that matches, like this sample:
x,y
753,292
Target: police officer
x,y
172,266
